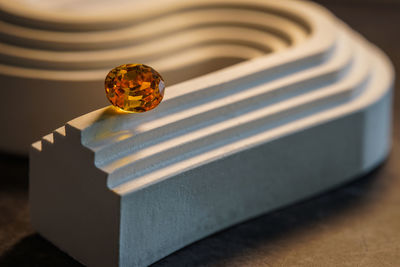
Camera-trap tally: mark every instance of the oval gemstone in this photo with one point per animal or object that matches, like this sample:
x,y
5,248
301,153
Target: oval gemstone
x,y
134,87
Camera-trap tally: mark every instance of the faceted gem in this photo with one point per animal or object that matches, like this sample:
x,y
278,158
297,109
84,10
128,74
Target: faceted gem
x,y
134,87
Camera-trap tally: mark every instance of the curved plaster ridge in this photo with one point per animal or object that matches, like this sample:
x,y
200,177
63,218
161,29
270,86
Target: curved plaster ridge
x,y
128,189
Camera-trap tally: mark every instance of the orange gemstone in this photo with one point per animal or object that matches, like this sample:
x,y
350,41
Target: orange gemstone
x,y
134,87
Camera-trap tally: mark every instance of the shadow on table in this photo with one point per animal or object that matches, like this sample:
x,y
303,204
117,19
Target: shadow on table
x,y
34,250
221,248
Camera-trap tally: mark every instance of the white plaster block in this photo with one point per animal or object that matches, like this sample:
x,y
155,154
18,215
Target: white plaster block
x,y
115,189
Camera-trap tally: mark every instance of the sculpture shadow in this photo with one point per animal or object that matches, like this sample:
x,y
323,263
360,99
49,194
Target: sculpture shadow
x,y
33,250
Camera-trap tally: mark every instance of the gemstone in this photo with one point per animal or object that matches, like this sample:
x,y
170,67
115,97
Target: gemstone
x,y
134,87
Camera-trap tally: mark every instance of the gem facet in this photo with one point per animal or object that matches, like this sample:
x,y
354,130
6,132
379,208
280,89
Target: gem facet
x,y
134,87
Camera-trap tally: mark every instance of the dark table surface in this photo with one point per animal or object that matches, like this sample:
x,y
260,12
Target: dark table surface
x,y
355,225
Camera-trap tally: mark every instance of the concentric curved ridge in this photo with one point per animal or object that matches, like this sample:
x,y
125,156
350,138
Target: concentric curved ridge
x,y
224,146
66,55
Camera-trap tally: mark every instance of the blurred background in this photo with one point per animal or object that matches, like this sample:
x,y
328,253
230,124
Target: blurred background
x,y
355,225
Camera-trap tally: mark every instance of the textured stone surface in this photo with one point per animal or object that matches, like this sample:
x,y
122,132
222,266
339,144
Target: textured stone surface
x,y
134,87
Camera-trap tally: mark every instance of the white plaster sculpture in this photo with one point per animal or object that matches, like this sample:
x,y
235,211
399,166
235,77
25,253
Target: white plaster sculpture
x,y
128,189
53,51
